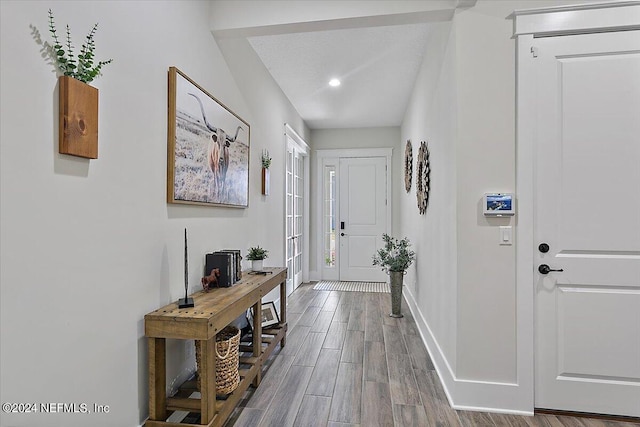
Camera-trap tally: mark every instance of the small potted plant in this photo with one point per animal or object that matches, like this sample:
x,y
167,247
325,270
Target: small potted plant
x,y
257,255
394,258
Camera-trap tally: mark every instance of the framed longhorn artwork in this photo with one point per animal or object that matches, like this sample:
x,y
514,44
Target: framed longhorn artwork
x,y
207,149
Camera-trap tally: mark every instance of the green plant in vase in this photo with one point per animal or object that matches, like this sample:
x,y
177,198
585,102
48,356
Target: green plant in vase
x,y
81,67
266,159
394,258
78,101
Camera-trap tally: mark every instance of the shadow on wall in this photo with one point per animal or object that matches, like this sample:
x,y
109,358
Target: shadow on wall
x,y
143,375
196,211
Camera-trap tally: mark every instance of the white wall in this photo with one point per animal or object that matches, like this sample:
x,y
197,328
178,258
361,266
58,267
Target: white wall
x,y
485,154
358,138
89,247
334,139
431,281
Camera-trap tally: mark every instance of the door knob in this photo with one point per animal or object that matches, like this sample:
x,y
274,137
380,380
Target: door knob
x,y
545,269
342,234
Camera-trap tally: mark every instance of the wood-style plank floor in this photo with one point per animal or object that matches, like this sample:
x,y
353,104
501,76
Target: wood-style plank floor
x,y
347,363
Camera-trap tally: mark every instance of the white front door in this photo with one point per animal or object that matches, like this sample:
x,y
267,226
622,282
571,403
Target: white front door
x,y
587,210
362,216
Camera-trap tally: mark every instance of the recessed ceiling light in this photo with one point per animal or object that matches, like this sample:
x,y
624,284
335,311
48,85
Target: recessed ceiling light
x,y
334,82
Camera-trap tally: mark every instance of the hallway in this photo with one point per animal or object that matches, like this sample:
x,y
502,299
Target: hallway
x,y
347,363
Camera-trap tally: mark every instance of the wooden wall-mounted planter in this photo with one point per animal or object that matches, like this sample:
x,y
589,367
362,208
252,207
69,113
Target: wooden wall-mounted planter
x,y
265,181
78,118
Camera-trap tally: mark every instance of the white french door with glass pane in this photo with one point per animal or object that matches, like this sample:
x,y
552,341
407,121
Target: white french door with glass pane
x,y
295,211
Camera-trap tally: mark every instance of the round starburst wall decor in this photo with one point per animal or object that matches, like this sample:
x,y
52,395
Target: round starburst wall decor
x,y
408,166
422,178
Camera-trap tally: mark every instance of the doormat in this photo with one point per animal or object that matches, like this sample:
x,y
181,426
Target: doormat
x,y
331,285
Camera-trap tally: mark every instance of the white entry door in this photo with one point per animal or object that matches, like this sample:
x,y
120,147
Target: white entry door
x,y
362,216
587,210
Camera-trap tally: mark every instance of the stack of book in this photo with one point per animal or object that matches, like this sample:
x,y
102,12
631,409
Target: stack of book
x,y
229,263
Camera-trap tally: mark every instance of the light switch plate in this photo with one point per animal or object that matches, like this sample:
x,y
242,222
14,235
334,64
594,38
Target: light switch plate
x,y
506,237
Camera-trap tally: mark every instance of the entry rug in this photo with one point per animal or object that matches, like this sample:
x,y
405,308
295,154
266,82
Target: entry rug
x,y
331,285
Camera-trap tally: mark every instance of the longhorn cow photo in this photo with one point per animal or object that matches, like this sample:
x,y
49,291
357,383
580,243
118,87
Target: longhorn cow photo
x,y
210,149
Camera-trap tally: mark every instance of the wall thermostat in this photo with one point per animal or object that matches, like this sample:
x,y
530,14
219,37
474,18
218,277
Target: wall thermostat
x,y
498,204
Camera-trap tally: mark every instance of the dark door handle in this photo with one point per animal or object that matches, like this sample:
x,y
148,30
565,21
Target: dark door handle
x,y
545,269
342,234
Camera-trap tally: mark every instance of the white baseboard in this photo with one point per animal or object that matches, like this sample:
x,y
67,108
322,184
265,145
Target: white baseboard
x,y
468,395
445,373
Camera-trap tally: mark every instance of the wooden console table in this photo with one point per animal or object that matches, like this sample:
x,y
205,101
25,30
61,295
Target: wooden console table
x,y
212,312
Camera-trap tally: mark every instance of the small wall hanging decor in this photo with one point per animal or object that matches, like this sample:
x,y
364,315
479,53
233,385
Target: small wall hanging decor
x,y
78,102
422,178
207,149
266,162
78,118
408,165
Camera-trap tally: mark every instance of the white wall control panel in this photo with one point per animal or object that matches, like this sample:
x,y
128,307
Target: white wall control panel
x,y
506,236
498,204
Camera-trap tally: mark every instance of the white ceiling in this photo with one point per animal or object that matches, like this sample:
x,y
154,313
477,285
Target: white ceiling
x,y
377,67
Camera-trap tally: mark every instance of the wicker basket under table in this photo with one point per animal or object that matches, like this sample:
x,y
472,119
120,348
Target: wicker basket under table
x,y
227,360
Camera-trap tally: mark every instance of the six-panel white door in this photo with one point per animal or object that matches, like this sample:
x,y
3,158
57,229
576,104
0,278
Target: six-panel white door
x,y
588,212
363,216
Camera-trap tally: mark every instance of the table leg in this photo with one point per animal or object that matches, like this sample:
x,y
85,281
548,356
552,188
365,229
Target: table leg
x,y
207,380
257,339
283,309
157,379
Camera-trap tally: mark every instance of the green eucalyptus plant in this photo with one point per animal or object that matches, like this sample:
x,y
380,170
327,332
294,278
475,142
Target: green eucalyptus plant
x,y
82,67
266,159
257,253
395,255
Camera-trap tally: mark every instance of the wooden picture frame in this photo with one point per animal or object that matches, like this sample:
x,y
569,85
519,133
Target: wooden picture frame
x,y
269,314
207,148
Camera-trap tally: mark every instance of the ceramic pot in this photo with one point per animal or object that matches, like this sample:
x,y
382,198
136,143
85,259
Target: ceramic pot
x,y
257,264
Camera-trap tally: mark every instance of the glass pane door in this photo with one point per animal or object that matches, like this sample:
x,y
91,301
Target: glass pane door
x,y
295,215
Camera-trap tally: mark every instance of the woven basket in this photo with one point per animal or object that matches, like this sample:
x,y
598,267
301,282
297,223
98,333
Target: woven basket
x,y
227,360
